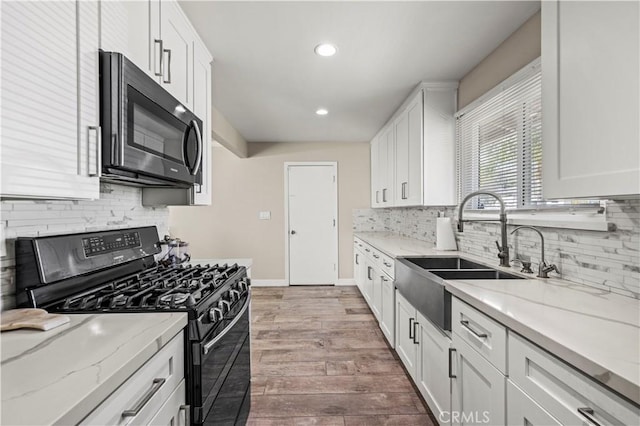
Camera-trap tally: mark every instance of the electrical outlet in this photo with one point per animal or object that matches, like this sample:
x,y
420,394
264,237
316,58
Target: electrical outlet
x,y
264,215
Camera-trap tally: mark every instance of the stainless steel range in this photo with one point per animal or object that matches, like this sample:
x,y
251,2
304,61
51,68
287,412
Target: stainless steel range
x,y
115,271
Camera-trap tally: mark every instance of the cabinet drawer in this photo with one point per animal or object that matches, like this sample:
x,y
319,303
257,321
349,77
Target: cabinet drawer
x,y
145,391
482,333
387,264
522,410
568,395
174,412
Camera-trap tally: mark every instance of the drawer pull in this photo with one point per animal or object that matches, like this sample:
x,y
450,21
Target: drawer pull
x,y
451,375
187,414
157,384
465,324
415,333
411,320
588,413
376,256
388,265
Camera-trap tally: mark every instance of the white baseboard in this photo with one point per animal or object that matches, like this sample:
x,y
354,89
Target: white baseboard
x,y
269,283
346,281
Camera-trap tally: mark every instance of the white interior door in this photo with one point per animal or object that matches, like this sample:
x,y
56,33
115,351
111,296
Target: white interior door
x,y
312,231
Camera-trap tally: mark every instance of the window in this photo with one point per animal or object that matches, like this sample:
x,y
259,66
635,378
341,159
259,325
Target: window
x,y
499,142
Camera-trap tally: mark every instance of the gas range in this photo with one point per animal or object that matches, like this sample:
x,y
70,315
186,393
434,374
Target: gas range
x,y
115,272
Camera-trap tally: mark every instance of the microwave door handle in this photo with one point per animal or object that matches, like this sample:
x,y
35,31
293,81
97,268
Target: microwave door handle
x,y
196,168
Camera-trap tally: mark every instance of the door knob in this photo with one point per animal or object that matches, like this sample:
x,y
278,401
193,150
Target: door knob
x,y
293,232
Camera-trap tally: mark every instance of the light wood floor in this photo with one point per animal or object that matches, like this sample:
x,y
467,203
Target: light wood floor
x,y
319,358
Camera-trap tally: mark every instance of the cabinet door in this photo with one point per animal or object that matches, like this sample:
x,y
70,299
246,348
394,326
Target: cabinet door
x,y
50,134
522,410
375,172
173,412
202,108
357,268
368,282
590,93
433,367
177,38
133,29
478,389
388,310
406,347
408,154
376,296
386,158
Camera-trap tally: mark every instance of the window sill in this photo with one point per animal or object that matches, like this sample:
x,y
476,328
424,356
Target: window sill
x,y
584,221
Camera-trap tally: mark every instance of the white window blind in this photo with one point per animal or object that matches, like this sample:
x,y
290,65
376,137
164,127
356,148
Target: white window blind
x,y
499,142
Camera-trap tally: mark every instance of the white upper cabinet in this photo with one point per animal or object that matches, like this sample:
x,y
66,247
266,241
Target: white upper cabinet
x,y
590,96
375,172
202,108
50,114
178,40
417,166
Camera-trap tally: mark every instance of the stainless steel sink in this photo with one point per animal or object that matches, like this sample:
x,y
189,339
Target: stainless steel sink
x,y
421,282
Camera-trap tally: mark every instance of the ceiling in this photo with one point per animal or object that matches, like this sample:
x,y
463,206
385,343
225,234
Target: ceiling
x,y
268,82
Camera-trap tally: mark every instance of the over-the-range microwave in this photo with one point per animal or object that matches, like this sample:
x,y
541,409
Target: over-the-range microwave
x,y
149,138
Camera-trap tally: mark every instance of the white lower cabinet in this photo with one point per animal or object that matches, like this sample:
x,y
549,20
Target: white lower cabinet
x,y
564,392
405,327
376,294
153,392
174,412
478,389
522,410
388,309
433,374
367,282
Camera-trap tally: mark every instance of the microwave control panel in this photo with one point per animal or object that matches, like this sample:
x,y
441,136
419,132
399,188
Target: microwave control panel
x,y
96,245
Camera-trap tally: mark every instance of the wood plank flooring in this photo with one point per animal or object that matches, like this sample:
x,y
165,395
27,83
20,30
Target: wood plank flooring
x,y
319,358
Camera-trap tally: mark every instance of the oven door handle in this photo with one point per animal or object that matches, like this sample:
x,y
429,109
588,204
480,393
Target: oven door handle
x,y
207,347
193,124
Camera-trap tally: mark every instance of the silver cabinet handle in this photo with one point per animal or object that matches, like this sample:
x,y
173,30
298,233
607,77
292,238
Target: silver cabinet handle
x,y
384,195
376,256
357,262
367,250
415,333
168,52
158,59
383,278
404,190
187,414
98,163
587,412
157,384
369,271
388,265
411,320
293,232
465,324
377,196
451,375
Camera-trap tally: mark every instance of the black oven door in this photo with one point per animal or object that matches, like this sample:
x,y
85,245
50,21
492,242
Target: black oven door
x,y
150,133
221,389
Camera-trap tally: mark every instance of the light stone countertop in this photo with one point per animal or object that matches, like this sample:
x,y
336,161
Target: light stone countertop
x,y
596,331
59,376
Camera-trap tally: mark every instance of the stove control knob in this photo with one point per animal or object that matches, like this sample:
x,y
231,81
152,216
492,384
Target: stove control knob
x,y
224,305
235,294
215,314
243,285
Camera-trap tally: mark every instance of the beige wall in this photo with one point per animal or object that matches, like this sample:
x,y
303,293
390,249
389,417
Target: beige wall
x,y
520,48
242,187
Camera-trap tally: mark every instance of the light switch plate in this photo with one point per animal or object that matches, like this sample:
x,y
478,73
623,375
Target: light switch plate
x,y
264,215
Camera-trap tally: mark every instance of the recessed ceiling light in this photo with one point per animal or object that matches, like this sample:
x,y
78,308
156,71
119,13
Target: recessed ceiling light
x,y
325,49
322,111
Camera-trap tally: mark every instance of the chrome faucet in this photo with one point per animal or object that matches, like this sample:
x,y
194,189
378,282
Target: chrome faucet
x,y
543,268
503,251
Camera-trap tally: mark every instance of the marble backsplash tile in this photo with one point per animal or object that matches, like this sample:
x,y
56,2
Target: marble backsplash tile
x,y
608,260
118,207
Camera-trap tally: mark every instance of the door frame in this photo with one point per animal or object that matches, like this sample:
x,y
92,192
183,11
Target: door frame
x,y
287,165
